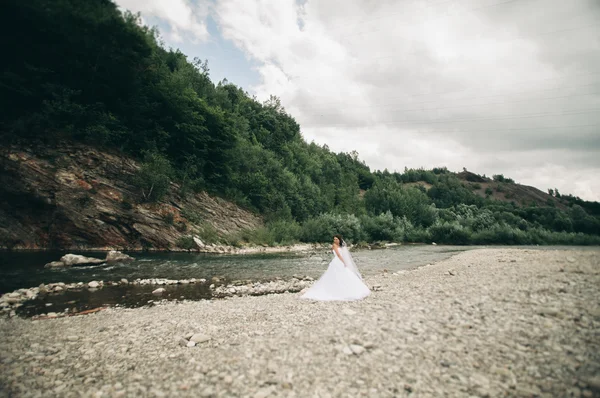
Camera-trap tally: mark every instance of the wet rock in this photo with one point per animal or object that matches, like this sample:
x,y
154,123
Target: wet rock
x,y
55,264
76,259
114,256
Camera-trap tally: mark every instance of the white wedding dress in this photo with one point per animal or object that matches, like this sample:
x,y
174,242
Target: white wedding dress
x,y
340,282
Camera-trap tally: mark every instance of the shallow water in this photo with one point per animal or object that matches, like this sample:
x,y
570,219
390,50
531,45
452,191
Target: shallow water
x,y
26,269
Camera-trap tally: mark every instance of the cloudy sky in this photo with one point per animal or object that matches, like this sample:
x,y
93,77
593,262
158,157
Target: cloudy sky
x,y
496,86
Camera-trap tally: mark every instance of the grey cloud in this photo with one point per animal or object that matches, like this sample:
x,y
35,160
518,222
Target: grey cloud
x,y
494,85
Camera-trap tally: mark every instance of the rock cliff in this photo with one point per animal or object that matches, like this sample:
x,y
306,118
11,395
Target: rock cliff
x,y
77,197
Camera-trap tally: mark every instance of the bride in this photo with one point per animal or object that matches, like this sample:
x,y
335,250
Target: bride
x,y
341,281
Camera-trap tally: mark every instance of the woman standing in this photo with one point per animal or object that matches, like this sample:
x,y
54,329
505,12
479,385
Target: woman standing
x,y
341,281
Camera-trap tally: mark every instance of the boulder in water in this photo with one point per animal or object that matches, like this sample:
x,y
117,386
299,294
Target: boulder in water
x,y
76,259
114,256
55,264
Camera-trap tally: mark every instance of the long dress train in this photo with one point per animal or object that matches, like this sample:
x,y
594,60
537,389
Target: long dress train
x,y
339,282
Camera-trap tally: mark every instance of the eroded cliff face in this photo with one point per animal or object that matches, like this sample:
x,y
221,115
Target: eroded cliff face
x,y
77,197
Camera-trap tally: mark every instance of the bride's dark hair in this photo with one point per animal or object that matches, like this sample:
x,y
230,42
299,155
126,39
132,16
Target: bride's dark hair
x,y
340,238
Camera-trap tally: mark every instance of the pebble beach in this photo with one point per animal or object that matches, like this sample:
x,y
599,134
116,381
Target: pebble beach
x,y
483,323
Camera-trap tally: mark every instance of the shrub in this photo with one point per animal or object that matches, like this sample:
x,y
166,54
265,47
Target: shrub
x,y
192,216
418,235
450,233
323,227
169,218
257,236
381,228
284,232
186,243
181,226
154,177
501,234
208,233
484,220
125,204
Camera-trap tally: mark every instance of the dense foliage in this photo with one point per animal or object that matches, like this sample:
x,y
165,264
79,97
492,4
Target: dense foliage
x,y
84,71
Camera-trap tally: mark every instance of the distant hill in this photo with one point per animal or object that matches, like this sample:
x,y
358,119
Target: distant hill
x,y
506,191
523,195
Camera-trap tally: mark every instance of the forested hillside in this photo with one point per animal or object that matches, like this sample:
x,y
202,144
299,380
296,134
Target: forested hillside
x,y
81,71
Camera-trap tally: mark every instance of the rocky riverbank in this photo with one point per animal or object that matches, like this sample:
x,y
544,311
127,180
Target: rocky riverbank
x,y
10,302
490,322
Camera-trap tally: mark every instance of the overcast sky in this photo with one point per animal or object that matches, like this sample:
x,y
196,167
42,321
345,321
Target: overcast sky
x,y
497,86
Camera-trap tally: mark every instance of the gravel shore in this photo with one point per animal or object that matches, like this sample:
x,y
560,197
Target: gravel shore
x,y
489,322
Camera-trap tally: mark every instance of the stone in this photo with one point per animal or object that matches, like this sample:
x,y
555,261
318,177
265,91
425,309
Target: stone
x,y
160,290
93,285
357,349
264,392
76,259
594,382
199,338
55,264
114,256
191,343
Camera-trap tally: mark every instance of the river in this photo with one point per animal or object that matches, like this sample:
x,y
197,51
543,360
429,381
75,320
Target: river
x,y
26,269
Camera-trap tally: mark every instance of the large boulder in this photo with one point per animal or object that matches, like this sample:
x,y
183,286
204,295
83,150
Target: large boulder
x,y
114,256
76,259
198,242
73,259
